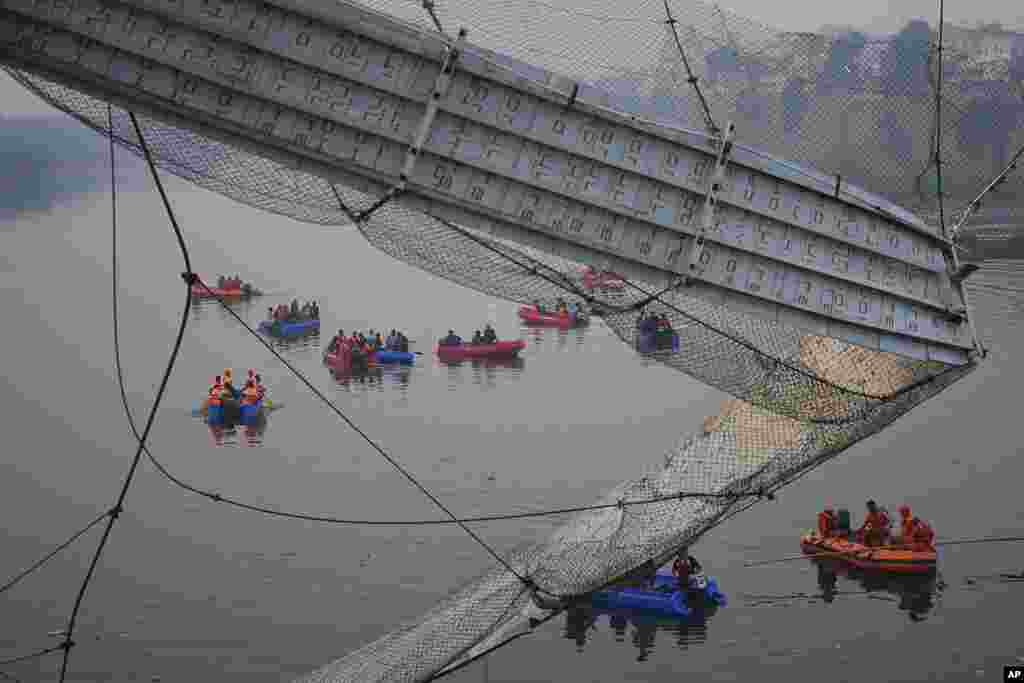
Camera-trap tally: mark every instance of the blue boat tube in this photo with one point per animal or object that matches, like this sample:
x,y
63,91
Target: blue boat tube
x,y
698,583
383,357
670,604
277,328
228,412
250,413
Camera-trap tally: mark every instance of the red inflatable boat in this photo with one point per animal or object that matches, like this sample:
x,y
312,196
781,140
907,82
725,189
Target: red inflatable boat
x,y
593,279
502,349
201,292
532,316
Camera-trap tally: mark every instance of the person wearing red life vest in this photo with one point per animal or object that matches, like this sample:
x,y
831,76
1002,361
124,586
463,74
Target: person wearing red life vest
x,y
876,526
216,390
916,534
827,523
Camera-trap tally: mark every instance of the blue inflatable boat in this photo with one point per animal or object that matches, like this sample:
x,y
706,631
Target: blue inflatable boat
x,y
276,328
665,598
383,357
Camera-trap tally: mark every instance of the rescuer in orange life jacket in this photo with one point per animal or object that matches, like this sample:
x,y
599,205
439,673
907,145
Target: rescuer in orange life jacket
x,y
916,535
875,527
250,395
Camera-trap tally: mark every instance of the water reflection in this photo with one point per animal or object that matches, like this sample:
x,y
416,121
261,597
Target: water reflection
x,y
561,335
307,341
204,309
580,620
915,595
374,377
245,436
484,371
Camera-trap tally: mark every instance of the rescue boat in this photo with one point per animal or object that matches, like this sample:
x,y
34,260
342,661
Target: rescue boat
x,y
501,349
531,316
891,559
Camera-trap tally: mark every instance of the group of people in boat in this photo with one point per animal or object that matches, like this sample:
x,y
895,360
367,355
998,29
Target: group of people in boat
x,y
684,567
294,313
915,533
232,282
659,327
562,309
223,389
357,347
488,336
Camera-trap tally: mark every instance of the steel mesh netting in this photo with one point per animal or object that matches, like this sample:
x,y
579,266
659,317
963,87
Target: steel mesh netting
x,y
798,399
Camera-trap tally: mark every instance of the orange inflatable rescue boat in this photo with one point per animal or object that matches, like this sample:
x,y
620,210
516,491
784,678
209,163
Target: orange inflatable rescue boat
x,y
891,559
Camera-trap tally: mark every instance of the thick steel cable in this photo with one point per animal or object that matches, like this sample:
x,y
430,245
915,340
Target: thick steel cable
x,y
234,502
118,506
938,127
691,79
32,655
49,556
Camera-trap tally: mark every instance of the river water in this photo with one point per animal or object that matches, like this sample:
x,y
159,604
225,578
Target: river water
x,y
188,590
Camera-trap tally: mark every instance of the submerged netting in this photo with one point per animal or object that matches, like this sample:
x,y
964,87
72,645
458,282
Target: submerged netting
x,y
845,104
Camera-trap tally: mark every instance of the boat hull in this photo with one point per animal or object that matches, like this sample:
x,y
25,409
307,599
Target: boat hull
x,y
650,343
665,599
201,292
388,357
530,316
502,349
281,329
250,413
887,559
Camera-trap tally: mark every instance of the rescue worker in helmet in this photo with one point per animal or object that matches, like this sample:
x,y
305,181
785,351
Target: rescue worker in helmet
x,y
876,526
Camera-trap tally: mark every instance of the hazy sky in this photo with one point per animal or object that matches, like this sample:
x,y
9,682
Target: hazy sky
x,y
877,16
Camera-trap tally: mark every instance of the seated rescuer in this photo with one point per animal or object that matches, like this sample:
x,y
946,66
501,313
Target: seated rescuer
x,y
916,534
681,570
216,390
875,527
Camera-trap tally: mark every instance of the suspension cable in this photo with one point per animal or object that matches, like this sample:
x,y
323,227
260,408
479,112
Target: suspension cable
x,y
709,121
49,556
32,655
118,506
938,127
234,502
